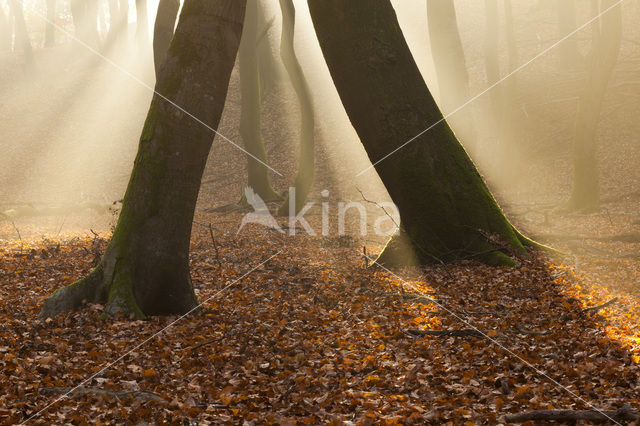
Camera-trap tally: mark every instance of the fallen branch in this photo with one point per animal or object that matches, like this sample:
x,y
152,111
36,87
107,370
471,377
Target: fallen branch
x,y
623,414
120,394
596,308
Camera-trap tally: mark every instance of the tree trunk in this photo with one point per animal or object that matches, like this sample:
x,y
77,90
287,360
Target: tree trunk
x,y
447,211
50,31
304,177
22,35
124,18
568,53
145,269
586,189
271,71
450,66
163,31
114,22
142,24
258,173
5,31
85,21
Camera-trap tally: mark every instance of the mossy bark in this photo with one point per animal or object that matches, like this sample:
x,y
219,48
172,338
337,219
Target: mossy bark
x,y
258,173
163,31
451,68
145,269
586,188
304,177
446,210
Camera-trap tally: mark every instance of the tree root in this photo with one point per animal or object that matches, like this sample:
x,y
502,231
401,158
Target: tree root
x,y
594,309
88,289
623,414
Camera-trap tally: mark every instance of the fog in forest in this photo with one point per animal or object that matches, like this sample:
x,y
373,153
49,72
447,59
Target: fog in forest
x,y
72,110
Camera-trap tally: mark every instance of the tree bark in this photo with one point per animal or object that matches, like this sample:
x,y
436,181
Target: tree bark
x,y
258,173
447,211
450,66
50,31
163,31
145,269
586,189
304,177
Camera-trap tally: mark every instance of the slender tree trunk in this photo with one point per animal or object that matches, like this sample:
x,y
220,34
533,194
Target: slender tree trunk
x,y
5,31
492,71
568,53
446,209
271,72
586,189
163,31
304,177
145,269
124,18
142,24
258,173
114,22
50,31
22,35
85,21
451,68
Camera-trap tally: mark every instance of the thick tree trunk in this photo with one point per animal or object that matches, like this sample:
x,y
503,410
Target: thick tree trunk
x,y
446,209
142,24
451,68
163,31
50,31
258,173
5,31
22,35
145,269
586,189
304,177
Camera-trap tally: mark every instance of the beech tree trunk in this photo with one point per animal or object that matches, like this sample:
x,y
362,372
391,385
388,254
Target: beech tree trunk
x,y
5,31
304,177
50,31
258,173
142,24
145,269
451,67
568,53
21,33
586,189
163,31
447,211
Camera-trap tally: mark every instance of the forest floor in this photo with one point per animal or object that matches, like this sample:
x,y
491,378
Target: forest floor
x,y
296,329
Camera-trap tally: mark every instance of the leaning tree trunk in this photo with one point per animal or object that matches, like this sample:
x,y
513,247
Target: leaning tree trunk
x,y
142,24
22,35
163,31
450,66
447,211
257,171
304,177
145,269
50,32
586,189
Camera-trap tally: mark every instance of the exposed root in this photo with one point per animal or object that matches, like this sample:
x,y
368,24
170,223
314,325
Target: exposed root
x,y
88,289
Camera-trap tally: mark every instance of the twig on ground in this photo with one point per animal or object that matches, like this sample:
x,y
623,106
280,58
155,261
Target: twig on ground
x,y
215,246
594,309
120,394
